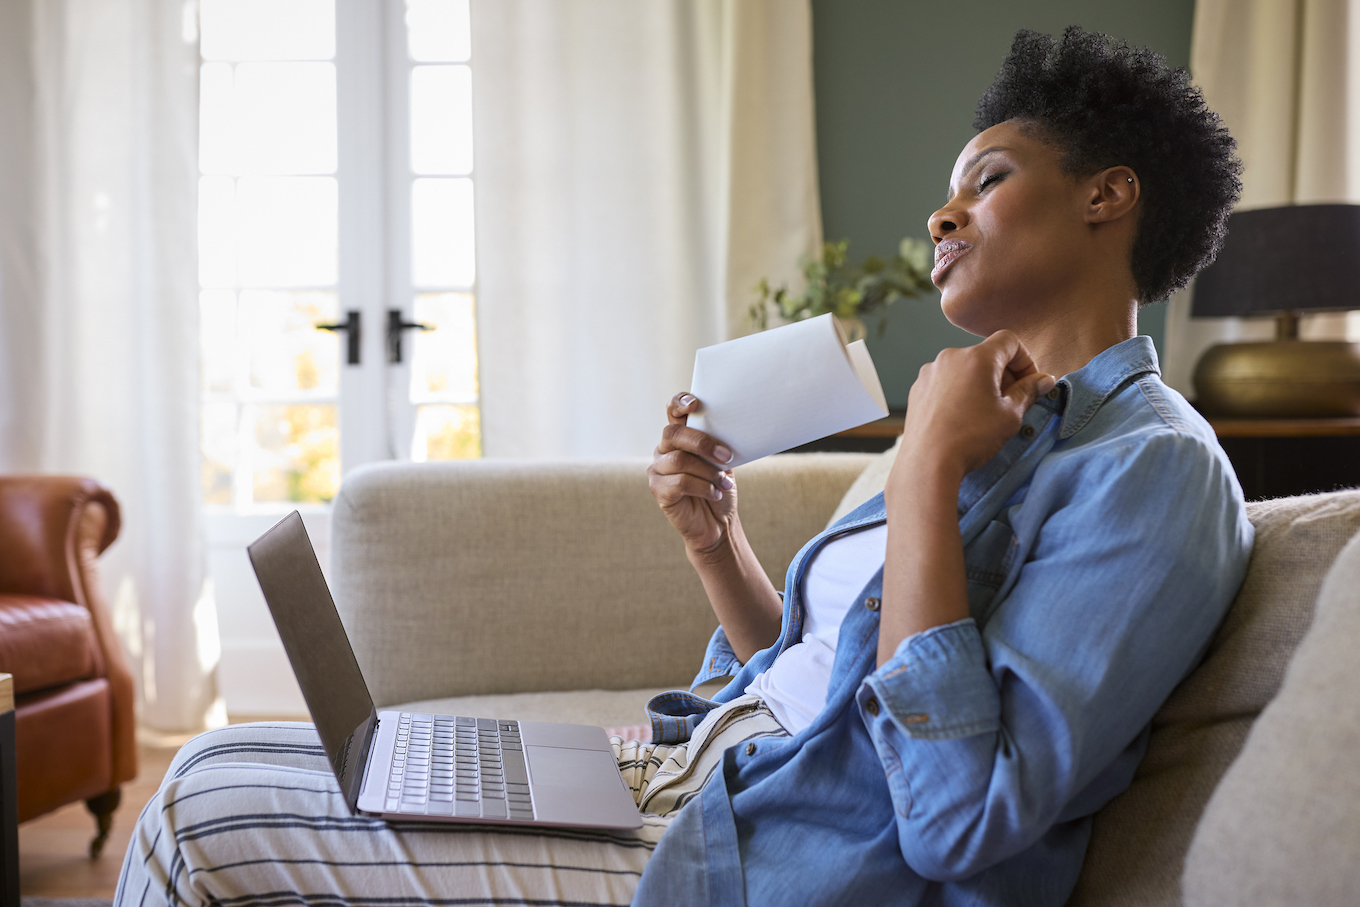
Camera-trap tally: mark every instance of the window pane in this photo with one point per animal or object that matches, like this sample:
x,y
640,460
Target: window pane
x,y
216,119
216,231
438,31
442,252
287,354
267,29
219,451
447,433
288,231
444,361
217,331
297,452
285,117
441,119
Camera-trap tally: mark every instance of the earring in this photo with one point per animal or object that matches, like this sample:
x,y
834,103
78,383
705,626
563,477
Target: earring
x,y
1129,178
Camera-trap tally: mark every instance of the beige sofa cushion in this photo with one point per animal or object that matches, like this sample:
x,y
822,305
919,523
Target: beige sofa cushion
x,y
491,577
1140,839
869,483
1283,828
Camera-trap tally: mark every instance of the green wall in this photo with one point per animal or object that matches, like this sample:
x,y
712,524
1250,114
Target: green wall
x,y
896,85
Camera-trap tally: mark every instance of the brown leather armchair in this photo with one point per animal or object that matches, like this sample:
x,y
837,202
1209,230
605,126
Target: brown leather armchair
x,y
75,729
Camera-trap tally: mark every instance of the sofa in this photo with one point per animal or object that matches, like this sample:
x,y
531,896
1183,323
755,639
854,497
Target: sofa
x,y
558,591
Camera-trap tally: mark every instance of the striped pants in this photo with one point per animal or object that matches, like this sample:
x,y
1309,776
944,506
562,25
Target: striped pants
x,y
251,814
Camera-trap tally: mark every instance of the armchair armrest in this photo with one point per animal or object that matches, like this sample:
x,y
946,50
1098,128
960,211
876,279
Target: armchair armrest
x,y
52,530
49,527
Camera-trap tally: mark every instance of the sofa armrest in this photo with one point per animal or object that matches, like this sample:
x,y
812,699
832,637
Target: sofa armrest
x,y
481,577
52,531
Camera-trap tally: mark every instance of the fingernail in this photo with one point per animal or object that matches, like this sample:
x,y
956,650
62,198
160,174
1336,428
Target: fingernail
x,y
726,482
717,495
686,399
723,453
1047,383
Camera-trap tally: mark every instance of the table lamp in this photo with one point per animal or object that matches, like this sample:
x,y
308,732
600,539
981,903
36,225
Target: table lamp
x,y
1282,262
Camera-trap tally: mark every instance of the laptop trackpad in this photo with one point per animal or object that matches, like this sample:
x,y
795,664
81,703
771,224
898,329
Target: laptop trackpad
x,y
578,786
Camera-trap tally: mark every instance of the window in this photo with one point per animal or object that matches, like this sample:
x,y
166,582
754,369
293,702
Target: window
x,y
336,189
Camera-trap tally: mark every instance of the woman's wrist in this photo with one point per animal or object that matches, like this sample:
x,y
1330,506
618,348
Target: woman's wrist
x,y
923,472
720,554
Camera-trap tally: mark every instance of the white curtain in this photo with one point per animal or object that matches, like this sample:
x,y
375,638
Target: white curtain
x,y
98,311
1285,77
641,164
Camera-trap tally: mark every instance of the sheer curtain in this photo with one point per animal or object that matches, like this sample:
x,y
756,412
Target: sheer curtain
x,y
1285,77
641,165
98,306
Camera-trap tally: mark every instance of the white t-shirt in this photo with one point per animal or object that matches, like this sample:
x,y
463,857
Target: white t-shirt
x,y
794,687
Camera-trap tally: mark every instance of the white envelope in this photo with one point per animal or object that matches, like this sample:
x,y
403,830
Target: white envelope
x,y
781,388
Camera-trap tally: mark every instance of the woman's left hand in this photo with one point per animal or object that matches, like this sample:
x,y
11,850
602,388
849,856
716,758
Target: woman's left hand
x,y
966,404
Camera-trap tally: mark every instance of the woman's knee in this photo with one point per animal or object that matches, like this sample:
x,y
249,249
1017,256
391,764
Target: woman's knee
x,y
287,743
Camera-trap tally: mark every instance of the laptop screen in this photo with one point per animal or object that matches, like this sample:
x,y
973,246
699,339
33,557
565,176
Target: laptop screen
x,y
314,638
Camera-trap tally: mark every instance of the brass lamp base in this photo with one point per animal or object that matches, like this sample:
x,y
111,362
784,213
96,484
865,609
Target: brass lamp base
x,y
1280,378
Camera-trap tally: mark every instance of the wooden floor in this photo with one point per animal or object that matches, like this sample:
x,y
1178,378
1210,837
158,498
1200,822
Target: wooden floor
x,y
54,859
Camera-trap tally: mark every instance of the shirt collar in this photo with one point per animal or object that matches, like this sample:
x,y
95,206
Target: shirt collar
x,y
1090,386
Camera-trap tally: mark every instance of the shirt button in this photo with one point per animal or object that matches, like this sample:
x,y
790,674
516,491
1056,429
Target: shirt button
x,y
750,749
1027,431
872,603
1053,394
871,706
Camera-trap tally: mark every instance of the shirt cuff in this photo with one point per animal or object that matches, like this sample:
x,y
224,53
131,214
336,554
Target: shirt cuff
x,y
935,687
719,660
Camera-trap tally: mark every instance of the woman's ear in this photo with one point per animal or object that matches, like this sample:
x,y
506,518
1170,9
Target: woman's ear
x,y
1113,194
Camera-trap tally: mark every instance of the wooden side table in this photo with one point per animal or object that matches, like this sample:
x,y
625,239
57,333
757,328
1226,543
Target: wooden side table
x,y
1276,458
9,799
1273,458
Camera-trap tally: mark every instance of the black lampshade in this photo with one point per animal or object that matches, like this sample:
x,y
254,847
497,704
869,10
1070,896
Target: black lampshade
x,y
1300,258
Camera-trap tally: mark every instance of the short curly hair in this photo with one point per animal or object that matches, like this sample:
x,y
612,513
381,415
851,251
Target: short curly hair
x,y
1105,104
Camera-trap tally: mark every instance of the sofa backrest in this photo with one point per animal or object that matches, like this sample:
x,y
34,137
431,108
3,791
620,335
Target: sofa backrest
x,y
459,579
1139,840
1283,826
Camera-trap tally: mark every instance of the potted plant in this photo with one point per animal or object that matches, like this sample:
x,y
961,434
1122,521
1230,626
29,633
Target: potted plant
x,y
832,284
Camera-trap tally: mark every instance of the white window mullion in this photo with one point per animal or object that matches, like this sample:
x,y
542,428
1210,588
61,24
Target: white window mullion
x,y
361,37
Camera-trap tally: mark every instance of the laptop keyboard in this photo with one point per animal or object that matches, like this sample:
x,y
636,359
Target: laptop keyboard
x,y
454,766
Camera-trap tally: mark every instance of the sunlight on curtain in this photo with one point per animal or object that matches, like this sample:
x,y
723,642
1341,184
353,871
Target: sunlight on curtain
x,y
641,165
98,324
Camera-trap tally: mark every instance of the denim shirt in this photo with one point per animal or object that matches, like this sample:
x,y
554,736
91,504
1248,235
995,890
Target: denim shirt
x,y
1103,545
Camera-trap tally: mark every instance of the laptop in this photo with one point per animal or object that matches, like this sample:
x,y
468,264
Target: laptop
x,y
411,765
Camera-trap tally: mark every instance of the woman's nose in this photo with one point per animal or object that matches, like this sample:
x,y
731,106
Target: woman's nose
x,y
945,221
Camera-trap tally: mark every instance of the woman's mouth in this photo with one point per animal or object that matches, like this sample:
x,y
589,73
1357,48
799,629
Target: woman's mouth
x,y
946,253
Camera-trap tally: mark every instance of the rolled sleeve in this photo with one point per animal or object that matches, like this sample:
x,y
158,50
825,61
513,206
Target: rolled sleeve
x,y
935,687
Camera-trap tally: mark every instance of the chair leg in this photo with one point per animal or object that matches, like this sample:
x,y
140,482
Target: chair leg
x,y
103,807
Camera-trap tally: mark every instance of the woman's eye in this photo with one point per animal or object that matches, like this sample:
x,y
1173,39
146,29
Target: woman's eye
x,y
988,180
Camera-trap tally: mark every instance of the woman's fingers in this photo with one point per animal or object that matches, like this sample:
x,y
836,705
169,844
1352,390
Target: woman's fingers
x,y
677,462
680,407
678,436
671,489
1009,354
1026,390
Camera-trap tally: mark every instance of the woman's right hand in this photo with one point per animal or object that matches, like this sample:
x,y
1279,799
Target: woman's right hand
x,y
699,499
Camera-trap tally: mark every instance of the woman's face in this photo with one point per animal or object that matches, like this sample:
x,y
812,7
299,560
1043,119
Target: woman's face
x,y
1012,236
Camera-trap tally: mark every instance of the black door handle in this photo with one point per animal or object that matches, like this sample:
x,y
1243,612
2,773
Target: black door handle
x,y
351,328
395,325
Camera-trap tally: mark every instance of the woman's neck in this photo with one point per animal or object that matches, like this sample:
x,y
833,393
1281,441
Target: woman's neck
x,y
1065,344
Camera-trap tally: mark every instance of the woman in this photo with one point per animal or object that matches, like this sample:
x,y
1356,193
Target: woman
x,y
959,673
